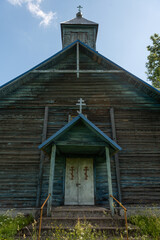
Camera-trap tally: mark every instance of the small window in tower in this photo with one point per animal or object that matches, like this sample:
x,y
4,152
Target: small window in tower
x,y
82,36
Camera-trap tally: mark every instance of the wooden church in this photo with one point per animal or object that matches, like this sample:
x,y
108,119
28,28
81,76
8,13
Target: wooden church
x,y
80,127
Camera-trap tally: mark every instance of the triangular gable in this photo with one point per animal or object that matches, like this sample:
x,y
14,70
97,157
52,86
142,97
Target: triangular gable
x,y
26,76
137,82
109,142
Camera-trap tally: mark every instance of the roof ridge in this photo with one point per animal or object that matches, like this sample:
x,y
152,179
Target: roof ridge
x,y
80,20
61,131
8,87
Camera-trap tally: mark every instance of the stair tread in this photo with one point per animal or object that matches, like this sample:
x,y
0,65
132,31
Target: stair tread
x,y
82,218
80,210
93,227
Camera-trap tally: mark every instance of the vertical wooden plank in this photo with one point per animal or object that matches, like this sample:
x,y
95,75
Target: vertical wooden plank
x,y
116,155
110,191
51,179
77,59
94,177
44,135
85,178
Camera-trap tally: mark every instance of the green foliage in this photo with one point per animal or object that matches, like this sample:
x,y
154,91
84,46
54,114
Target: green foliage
x,y
153,63
82,231
149,225
9,226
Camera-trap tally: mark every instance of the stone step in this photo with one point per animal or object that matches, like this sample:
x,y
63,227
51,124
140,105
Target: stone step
x,y
80,212
94,221
48,230
66,217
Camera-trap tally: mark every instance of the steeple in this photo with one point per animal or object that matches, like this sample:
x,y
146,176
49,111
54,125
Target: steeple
x,y
79,28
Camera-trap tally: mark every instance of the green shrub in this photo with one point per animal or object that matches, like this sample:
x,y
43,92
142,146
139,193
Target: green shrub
x,y
9,226
149,225
82,231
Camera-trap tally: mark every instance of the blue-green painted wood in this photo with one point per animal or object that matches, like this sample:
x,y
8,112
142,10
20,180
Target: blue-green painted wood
x,y
80,131
110,189
101,179
51,179
21,122
79,28
58,183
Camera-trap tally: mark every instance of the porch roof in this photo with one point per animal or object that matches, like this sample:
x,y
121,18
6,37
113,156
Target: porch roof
x,y
56,138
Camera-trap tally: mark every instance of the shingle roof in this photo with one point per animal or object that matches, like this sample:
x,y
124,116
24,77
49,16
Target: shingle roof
x,y
79,20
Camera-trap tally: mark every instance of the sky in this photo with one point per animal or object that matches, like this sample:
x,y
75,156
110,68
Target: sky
x,y
30,31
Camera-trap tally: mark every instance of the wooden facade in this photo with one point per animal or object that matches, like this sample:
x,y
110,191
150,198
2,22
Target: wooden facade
x,y
37,104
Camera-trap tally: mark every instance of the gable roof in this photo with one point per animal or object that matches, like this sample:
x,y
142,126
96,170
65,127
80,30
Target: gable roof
x,y
114,146
137,82
79,21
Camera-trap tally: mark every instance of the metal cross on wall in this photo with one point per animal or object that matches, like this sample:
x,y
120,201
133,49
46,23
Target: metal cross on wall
x,y
86,169
72,172
80,104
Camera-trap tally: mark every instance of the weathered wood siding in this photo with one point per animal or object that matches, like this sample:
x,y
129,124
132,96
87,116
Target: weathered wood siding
x,y
59,179
20,134
138,134
101,183
85,34
137,120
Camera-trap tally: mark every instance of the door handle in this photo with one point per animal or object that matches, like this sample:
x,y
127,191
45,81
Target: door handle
x,y
78,184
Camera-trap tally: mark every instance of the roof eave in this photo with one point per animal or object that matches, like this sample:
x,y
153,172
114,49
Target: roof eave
x,y
108,141
14,80
148,86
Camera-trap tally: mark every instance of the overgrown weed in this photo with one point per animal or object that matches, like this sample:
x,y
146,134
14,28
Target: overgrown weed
x,y
9,226
148,223
82,231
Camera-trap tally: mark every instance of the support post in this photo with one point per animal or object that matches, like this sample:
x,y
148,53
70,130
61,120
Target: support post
x,y
51,179
77,59
44,135
116,155
110,191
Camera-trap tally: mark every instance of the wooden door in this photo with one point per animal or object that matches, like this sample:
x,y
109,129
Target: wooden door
x,y
79,187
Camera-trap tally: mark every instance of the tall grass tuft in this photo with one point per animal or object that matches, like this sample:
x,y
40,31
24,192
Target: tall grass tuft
x,y
82,231
9,226
149,224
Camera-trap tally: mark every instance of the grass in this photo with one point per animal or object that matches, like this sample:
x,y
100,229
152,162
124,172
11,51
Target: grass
x,y
82,231
149,225
9,226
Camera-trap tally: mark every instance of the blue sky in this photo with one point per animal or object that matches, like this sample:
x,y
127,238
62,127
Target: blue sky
x,y
30,31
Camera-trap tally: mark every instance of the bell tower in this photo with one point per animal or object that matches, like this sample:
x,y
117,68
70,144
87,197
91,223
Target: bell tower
x,y
79,28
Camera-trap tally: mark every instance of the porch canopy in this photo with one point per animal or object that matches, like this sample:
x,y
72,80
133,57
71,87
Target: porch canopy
x,y
79,137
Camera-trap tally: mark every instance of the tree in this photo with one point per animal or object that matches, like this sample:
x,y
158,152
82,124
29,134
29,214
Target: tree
x,y
153,63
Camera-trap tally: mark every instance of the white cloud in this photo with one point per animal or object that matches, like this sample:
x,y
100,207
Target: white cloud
x,y
34,7
16,2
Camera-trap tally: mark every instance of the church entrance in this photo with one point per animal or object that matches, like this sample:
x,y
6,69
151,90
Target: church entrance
x,y
79,186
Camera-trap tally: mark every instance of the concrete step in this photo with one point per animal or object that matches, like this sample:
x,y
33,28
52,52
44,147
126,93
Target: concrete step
x,y
94,221
80,212
108,229
49,230
66,217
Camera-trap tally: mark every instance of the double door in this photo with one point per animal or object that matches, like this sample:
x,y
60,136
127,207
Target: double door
x,y
79,186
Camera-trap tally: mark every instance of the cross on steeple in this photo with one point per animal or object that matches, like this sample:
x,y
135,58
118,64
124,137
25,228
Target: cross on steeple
x,y
79,8
80,104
